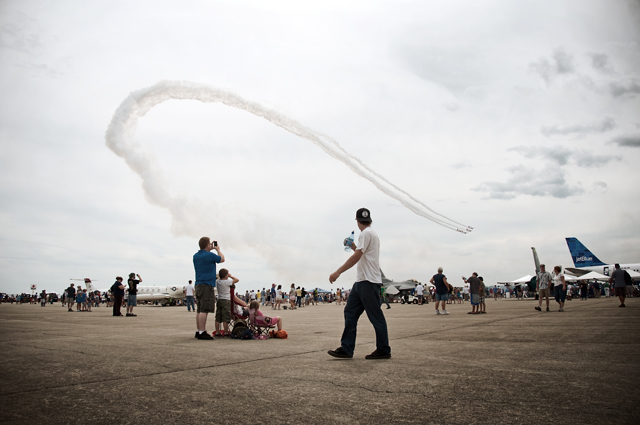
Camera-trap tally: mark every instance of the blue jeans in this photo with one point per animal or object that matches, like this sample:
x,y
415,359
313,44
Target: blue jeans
x,y
189,301
364,296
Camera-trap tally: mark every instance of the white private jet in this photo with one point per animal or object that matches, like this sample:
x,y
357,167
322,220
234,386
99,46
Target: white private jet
x,y
148,293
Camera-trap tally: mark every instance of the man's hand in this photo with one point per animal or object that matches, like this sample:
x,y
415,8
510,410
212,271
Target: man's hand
x,y
334,276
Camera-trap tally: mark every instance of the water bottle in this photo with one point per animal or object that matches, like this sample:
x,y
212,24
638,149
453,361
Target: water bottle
x,y
347,242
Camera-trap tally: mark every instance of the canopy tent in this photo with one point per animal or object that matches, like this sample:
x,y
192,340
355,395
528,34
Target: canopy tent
x,y
392,290
520,281
588,276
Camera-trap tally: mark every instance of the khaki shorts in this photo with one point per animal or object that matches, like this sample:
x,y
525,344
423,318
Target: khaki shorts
x,y
544,293
206,298
223,313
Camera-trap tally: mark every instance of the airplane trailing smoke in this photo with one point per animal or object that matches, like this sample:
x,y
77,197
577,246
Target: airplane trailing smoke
x,y
120,138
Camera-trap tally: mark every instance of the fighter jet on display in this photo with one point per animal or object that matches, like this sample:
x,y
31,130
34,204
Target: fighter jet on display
x,y
148,293
403,285
585,261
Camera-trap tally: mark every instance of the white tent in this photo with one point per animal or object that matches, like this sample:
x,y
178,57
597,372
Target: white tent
x,y
589,276
523,279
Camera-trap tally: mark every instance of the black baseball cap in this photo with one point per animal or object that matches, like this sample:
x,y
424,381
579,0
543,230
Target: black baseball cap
x,y
363,215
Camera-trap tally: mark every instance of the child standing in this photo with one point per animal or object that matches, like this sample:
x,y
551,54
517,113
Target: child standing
x,y
223,305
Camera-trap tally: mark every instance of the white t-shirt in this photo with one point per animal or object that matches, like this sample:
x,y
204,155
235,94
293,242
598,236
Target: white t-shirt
x,y
189,289
224,289
369,264
419,290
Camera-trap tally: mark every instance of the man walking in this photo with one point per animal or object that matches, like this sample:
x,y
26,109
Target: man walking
x,y
542,286
442,290
420,293
204,263
189,292
619,278
365,294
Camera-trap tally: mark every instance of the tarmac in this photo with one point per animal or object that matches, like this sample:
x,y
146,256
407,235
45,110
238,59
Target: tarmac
x,y
513,365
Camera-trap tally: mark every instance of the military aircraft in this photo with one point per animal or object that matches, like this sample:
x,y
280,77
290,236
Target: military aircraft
x,y
403,285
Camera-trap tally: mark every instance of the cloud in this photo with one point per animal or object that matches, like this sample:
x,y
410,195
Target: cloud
x,y
600,62
599,187
562,156
21,34
605,124
550,181
560,62
627,141
628,88
459,165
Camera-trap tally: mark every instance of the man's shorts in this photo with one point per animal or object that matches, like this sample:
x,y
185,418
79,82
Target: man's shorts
x,y
206,296
481,300
442,297
132,300
223,312
475,299
620,291
544,293
420,297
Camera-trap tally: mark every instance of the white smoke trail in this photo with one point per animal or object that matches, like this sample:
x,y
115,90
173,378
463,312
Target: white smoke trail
x,y
120,138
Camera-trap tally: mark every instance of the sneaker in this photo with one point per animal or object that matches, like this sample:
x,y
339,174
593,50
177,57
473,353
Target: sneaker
x,y
197,334
445,312
538,308
339,352
437,311
547,308
129,314
378,355
204,335
560,310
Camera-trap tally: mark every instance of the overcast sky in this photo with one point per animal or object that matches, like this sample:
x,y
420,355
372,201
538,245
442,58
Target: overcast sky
x,y
521,119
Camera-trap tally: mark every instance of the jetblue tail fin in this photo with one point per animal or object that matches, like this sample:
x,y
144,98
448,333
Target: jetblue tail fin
x,y
582,257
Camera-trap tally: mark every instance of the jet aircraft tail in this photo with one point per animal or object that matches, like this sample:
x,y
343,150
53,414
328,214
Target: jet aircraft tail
x,y
581,255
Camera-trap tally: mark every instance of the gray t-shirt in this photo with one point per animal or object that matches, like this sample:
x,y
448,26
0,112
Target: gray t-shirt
x,y
474,285
618,278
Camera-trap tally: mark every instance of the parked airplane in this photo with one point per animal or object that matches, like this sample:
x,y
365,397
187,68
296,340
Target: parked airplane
x,y
403,285
148,293
585,261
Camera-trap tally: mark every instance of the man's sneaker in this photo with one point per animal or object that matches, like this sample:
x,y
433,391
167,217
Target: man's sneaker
x,y
538,308
378,355
339,352
197,334
129,314
547,308
204,335
560,309
437,311
445,312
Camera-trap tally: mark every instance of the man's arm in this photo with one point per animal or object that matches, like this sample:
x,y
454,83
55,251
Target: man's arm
x,y
351,261
139,278
444,279
235,279
219,251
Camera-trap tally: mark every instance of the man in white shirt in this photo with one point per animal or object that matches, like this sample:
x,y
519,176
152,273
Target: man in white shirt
x,y
365,294
420,293
189,300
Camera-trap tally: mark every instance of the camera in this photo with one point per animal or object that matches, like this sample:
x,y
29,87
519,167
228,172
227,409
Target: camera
x,y
215,243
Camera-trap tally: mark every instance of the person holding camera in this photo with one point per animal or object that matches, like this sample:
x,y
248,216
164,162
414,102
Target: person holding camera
x,y
132,299
204,263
